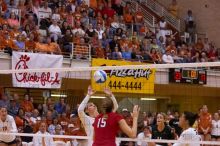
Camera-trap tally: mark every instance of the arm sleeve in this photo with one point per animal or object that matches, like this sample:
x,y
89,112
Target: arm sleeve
x,y
82,114
139,142
13,126
115,103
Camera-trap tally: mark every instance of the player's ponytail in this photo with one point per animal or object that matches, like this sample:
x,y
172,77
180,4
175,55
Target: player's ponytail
x,y
107,107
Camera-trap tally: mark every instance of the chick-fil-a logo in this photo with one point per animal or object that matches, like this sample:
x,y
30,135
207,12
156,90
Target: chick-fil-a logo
x,y
42,78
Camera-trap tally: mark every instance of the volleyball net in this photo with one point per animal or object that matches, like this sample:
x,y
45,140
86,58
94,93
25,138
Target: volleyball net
x,y
166,88
67,140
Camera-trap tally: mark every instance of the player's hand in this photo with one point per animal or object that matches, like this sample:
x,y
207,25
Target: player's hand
x,y
90,91
136,111
108,91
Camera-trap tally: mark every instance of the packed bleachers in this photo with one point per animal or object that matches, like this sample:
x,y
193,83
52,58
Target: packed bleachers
x,y
98,29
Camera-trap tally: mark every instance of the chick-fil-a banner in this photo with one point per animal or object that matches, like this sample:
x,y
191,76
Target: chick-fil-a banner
x,y
49,79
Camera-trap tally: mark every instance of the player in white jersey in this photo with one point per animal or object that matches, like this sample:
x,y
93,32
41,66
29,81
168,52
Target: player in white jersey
x,y
7,125
189,134
91,109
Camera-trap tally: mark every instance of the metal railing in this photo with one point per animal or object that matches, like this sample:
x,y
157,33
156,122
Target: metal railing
x,y
160,10
149,19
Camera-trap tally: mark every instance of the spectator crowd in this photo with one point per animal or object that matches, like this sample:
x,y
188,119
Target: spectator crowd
x,y
111,29
56,118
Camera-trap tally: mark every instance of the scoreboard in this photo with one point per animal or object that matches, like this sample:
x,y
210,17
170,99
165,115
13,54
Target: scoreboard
x,y
186,75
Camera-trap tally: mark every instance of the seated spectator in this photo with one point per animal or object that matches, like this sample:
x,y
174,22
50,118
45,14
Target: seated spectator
x,y
35,117
30,44
19,43
47,13
58,131
26,104
146,55
155,56
126,53
13,107
128,19
108,11
67,41
100,52
90,31
78,29
172,47
204,57
60,107
174,8
85,19
212,53
161,44
49,47
99,31
29,21
145,134
4,101
13,21
154,45
52,126
56,15
167,58
116,54
20,120
196,57
44,141
199,46
54,31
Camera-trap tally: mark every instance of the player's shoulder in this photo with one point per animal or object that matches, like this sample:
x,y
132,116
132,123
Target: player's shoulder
x,y
10,118
190,131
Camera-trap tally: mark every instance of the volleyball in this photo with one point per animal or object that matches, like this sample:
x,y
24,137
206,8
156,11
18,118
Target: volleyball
x,y
100,76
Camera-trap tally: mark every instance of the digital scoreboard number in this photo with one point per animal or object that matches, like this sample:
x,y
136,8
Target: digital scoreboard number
x,y
185,75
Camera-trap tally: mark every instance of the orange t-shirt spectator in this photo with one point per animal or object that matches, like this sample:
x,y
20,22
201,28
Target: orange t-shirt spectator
x,y
205,122
27,104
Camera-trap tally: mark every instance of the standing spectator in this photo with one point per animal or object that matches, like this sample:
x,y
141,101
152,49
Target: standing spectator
x,y
60,107
190,25
139,19
205,124
42,141
162,28
55,31
215,133
174,8
99,31
161,130
146,134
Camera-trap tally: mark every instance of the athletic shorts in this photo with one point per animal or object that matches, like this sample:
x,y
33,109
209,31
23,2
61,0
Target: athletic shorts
x,y
9,143
215,136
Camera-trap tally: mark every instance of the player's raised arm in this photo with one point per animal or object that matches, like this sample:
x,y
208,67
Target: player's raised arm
x,y
82,106
115,103
131,132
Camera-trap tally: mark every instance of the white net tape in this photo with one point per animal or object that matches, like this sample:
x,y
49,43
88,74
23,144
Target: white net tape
x,y
150,66
118,139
